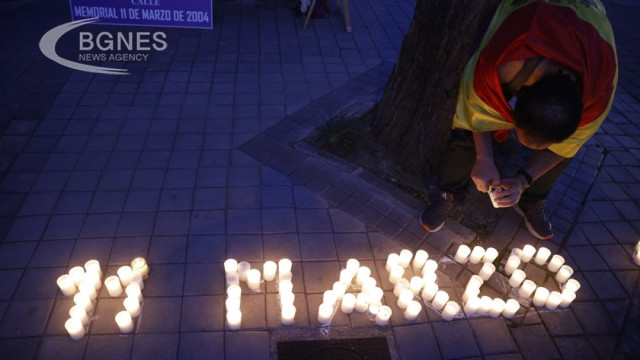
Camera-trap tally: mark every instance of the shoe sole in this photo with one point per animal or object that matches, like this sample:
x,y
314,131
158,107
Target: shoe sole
x,y
527,224
425,226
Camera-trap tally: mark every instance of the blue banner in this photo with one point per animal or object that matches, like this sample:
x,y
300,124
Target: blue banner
x,y
163,13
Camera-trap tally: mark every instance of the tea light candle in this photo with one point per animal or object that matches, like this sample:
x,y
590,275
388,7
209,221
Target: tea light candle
x,y
362,302
77,274
383,316
542,256
66,285
485,305
420,259
490,255
430,267
429,291
412,310
540,296
329,297
113,286
572,285
136,278
75,328
133,291
555,263
285,286
554,299
440,300
517,278
93,266
243,270
339,289
269,270
287,299
124,273
84,301
472,305
232,304
527,288
392,260
325,311
405,258
348,303
487,270
79,313
234,319
475,281
511,308
376,294
416,284
497,306
235,291
132,305
253,279
567,298
429,278
230,266
362,273
232,279
353,265
512,264
470,293
395,274
450,310
402,283
124,321
88,288
564,274
476,254
346,277
518,252
527,253
285,276
94,279
288,314
140,265
405,297
462,254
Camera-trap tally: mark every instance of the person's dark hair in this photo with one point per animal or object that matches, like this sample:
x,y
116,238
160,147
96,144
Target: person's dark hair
x,y
550,109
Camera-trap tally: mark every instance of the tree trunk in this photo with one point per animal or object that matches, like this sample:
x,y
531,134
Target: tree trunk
x,y
415,114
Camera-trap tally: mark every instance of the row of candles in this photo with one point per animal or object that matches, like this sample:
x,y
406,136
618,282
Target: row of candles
x,y
83,283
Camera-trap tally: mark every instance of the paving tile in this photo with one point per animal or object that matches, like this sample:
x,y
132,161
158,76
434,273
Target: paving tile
x,y
91,248
172,223
343,222
207,222
210,198
39,203
534,342
59,314
166,280
9,283
147,178
204,279
278,246
176,199
605,285
316,284
203,248
587,258
279,220
317,247
277,197
100,225
155,346
160,315
64,226
456,339
202,314
313,220
16,255
179,178
618,312
25,318
247,345
83,181
167,249
126,248
353,245
136,224
416,342
575,348
596,233
194,346
105,347
74,202
24,348
493,336
616,257
593,317
245,247
61,347
561,322
52,253
27,228
382,246
105,310
38,283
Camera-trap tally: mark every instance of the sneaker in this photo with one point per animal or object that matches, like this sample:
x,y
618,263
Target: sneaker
x,y
535,219
432,217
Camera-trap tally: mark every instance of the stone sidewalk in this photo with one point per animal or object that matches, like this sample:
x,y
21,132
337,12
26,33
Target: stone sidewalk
x,y
196,157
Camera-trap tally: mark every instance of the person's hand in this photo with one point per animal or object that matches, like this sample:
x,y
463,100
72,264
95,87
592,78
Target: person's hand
x,y
508,192
485,174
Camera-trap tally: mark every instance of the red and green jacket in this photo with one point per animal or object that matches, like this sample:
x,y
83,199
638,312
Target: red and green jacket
x,y
576,34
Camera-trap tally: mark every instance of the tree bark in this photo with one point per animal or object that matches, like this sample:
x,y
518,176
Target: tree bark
x,y
415,114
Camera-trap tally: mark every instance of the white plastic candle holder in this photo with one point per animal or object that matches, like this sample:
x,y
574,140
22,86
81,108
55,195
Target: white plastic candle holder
x,y
451,309
66,285
476,254
348,303
490,255
462,255
405,258
542,255
412,311
74,328
383,316
527,253
429,292
420,259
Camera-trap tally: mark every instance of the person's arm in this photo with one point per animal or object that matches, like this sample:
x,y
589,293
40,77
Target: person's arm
x,y
484,173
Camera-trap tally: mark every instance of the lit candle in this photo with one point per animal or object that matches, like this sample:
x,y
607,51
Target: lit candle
x,y
285,286
470,293
243,270
475,281
235,291
88,288
339,289
77,274
362,273
412,310
527,288
512,264
554,299
395,274
376,294
519,253
497,306
428,278
405,258
124,321
429,291
325,311
232,279
288,314
230,266
94,279
133,291
542,256
392,260
329,297
348,303
490,255
485,305
84,301
510,308
113,286
440,300
136,278
517,278
405,297
402,283
564,274
234,319
572,285
472,305
567,298
383,315
540,296
132,305
66,285
527,253
346,277
416,284
476,254
269,270
450,310
75,328
368,284
93,266
636,258
555,263
140,265
124,273
353,265
430,266
487,270
362,302
232,304
79,313
462,254
420,259
253,279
